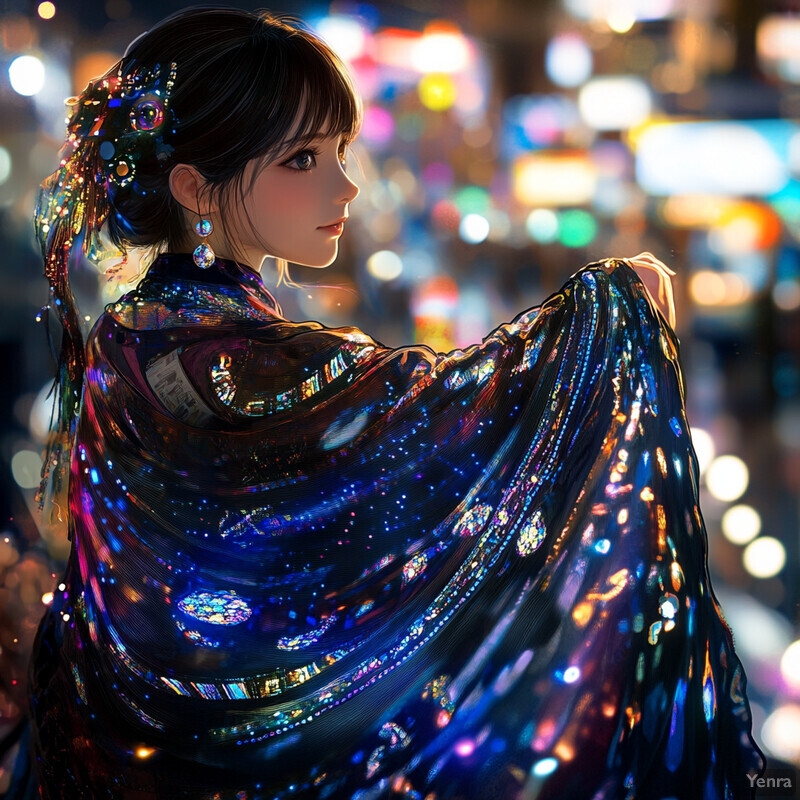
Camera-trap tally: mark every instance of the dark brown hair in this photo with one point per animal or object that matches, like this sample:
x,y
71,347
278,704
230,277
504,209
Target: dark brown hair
x,y
242,79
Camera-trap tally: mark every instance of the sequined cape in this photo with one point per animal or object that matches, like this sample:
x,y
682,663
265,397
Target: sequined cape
x,y
307,565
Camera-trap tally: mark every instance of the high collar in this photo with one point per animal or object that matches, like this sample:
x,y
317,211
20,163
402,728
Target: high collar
x,y
224,272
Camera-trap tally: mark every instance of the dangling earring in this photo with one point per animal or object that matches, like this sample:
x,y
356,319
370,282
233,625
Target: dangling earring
x,y
203,255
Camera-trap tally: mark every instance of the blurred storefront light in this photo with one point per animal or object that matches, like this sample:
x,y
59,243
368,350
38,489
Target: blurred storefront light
x,y
764,557
741,524
542,225
538,120
706,157
778,46
346,35
695,210
576,228
619,11
554,178
437,297
27,75
727,478
724,289
745,227
437,91
378,126
472,200
441,48
394,47
615,102
568,60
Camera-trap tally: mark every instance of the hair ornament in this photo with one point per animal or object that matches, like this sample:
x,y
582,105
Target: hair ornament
x,y
117,123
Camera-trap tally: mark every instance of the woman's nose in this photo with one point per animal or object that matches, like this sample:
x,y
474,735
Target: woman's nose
x,y
351,190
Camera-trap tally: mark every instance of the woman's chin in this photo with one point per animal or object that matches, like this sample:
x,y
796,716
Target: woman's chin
x,y
316,263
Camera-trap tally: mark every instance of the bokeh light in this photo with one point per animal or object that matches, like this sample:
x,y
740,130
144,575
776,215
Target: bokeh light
x,y
544,767
554,179
46,10
781,733
442,48
790,664
26,467
764,557
378,125
542,225
27,75
437,91
727,477
568,60
385,265
346,35
741,524
474,228
615,102
576,228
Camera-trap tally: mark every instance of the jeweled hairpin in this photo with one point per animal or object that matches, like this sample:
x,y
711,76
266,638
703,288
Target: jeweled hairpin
x,y
137,106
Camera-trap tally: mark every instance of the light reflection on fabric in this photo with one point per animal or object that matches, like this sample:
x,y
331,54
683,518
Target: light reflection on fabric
x,y
373,571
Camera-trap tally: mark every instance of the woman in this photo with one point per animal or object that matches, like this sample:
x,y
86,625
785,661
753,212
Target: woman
x,y
306,565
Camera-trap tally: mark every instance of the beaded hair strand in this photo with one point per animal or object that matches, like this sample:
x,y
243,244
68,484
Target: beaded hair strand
x,y
112,123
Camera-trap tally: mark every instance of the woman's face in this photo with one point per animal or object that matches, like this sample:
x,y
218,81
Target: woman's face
x,y
292,201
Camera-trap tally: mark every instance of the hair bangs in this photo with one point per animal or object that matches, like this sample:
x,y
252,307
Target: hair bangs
x,y
324,102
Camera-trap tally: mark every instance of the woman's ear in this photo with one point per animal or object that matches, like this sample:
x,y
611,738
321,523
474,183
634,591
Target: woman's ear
x,y
188,187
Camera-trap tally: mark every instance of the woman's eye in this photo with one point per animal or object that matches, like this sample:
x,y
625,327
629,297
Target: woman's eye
x,y
305,160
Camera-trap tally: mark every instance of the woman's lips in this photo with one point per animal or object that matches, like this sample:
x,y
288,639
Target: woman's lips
x,y
334,228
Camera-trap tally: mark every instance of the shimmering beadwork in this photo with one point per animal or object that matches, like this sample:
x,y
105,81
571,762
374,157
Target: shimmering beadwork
x,y
216,608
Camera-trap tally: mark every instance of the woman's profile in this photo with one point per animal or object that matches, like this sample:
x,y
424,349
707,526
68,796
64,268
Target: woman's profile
x,y
307,565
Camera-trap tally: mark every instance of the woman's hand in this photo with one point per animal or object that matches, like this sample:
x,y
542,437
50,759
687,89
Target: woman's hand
x,y
656,276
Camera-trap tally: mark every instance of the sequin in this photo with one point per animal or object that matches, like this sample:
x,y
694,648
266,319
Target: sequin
x,y
532,535
216,608
473,521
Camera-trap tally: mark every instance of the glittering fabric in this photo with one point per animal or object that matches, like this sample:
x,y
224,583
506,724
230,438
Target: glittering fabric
x,y
306,565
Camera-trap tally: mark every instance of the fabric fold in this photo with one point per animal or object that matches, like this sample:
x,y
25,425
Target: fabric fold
x,y
368,572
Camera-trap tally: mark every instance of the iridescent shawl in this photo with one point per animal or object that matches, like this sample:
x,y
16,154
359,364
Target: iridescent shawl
x,y
306,565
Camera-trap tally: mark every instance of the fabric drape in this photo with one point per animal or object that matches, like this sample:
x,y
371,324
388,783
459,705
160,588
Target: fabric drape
x,y
307,565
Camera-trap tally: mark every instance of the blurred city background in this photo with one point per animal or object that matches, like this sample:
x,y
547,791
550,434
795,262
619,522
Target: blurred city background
x,y
506,143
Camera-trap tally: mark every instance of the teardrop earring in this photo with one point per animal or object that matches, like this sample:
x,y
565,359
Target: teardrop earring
x,y
203,255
